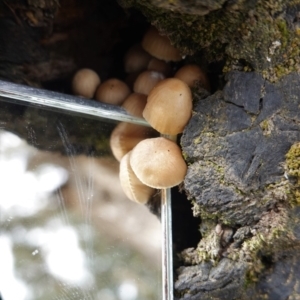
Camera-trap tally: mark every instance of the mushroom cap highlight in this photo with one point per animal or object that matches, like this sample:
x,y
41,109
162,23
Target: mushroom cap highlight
x,y
160,46
126,136
112,91
85,83
193,76
169,106
158,163
133,188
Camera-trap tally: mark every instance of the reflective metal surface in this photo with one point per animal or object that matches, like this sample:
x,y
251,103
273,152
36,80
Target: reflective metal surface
x,y
167,249
43,98
79,106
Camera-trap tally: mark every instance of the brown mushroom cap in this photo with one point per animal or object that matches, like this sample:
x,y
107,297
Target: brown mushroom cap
x,y
146,81
160,66
112,91
135,103
158,163
159,46
126,136
131,78
133,188
136,59
85,83
193,76
169,106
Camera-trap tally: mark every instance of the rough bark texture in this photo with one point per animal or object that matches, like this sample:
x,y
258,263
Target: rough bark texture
x,y
241,188
249,34
237,145
242,144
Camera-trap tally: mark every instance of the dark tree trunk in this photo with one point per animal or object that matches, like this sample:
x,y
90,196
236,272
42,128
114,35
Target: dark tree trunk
x,y
241,145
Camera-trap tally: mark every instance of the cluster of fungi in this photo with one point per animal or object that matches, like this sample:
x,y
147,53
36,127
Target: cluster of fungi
x,y
147,161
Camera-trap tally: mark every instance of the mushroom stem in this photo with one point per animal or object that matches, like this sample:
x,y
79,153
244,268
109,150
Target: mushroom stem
x,y
167,234
170,137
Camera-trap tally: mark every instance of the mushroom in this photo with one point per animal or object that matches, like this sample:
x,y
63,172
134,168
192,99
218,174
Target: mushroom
x,y
135,103
131,78
136,59
126,135
159,46
85,82
133,188
158,163
146,81
169,106
112,91
159,66
193,76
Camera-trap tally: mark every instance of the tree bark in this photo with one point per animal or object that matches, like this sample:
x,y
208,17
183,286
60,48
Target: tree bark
x,y
241,145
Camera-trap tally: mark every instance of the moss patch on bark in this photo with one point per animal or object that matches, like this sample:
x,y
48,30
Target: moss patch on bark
x,y
249,35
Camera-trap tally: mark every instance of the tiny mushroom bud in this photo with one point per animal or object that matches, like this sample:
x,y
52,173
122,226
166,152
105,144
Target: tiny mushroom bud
x,y
125,136
146,81
169,106
134,104
112,91
193,76
136,59
133,188
85,83
158,163
159,46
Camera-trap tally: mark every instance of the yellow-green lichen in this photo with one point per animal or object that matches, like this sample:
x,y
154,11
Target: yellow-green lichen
x,y
197,140
293,173
272,236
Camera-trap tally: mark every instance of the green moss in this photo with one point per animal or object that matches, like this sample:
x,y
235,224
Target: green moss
x,y
263,245
252,34
293,171
284,32
293,160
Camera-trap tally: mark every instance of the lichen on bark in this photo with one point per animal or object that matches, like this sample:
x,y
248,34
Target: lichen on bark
x,y
239,144
293,173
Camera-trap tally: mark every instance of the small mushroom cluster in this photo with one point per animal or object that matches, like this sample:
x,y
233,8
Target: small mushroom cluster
x,y
148,162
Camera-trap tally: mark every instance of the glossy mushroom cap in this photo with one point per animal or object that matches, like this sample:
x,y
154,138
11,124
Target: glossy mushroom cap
x,y
126,136
112,91
136,59
133,188
158,163
85,83
169,106
146,81
159,46
193,76
135,103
